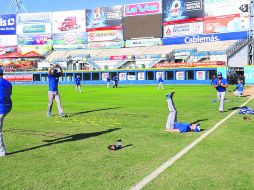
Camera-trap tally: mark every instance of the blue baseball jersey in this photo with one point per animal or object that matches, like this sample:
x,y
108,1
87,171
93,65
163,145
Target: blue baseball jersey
x,y
77,81
160,79
183,127
239,87
108,79
53,83
5,96
222,81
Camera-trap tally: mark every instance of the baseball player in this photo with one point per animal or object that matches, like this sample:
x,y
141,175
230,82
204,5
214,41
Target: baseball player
x,y
78,85
160,83
115,79
172,125
5,107
108,82
220,84
53,78
239,88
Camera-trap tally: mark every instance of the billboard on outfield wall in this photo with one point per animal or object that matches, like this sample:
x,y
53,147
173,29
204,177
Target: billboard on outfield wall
x,y
70,46
69,38
34,39
8,40
104,18
215,8
8,24
41,49
143,42
249,74
183,29
32,18
140,26
105,45
142,9
176,11
7,49
228,23
205,38
41,28
105,35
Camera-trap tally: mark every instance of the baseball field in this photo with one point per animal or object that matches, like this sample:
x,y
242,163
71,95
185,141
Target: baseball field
x,y
71,152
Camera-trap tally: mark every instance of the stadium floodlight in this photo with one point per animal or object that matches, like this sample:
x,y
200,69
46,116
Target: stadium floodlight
x,y
16,6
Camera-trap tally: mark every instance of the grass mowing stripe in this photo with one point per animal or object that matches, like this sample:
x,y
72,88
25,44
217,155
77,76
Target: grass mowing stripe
x,y
185,150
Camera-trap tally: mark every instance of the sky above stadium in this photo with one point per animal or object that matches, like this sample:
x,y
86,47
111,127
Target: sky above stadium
x,y
63,5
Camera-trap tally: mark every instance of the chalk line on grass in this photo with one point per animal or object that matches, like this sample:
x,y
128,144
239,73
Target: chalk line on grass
x,y
180,154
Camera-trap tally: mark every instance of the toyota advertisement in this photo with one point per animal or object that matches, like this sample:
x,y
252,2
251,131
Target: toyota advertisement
x,y
8,24
104,18
183,29
179,11
142,9
105,35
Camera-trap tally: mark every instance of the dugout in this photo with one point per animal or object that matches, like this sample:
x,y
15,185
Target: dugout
x,y
170,76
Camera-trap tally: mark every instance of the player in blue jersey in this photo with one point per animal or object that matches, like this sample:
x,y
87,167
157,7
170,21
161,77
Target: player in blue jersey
x,y
220,84
78,85
172,124
5,107
239,88
115,79
53,78
160,80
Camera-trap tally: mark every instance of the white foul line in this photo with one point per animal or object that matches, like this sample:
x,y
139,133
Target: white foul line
x,y
172,160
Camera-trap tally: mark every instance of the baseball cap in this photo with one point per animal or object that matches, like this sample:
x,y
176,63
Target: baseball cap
x,y
197,129
219,74
1,71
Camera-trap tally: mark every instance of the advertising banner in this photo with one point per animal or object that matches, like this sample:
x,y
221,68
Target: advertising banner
x,y
205,38
43,28
19,78
32,18
131,77
34,39
215,8
177,11
224,24
7,49
8,40
8,24
118,58
180,75
122,76
190,64
142,9
104,76
70,46
249,74
69,38
40,49
141,75
74,21
106,18
143,42
200,75
105,45
183,29
159,74
105,35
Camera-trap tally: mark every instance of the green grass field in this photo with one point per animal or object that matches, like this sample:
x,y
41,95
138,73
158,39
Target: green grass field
x,y
71,153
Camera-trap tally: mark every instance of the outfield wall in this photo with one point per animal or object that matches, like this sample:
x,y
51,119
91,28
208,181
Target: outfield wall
x,y
170,76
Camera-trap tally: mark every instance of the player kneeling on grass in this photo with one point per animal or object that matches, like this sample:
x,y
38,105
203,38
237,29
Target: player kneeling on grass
x,y
5,107
78,85
172,125
239,88
53,78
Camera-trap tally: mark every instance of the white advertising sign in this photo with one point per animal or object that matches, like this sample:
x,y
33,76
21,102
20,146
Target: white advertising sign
x,y
179,75
159,74
105,35
131,77
8,40
104,76
122,76
31,18
141,75
183,29
200,75
143,42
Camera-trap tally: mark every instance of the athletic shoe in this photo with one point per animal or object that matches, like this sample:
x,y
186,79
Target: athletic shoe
x,y
62,115
49,114
170,95
2,154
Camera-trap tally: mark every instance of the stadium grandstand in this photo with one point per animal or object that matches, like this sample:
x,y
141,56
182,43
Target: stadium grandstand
x,y
160,39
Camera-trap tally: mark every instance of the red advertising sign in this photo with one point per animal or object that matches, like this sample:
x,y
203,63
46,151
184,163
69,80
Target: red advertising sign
x,y
19,78
120,57
191,64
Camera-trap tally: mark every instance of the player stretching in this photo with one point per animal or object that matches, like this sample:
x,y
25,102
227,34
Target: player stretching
x,y
53,78
220,84
5,107
172,125
78,85
160,83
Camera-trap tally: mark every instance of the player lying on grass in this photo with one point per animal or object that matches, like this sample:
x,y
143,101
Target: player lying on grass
x,y
172,125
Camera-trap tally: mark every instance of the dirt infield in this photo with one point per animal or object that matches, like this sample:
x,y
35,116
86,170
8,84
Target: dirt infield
x,y
249,90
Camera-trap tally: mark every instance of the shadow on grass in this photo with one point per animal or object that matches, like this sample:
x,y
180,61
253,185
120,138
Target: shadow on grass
x,y
90,111
197,121
69,138
236,108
